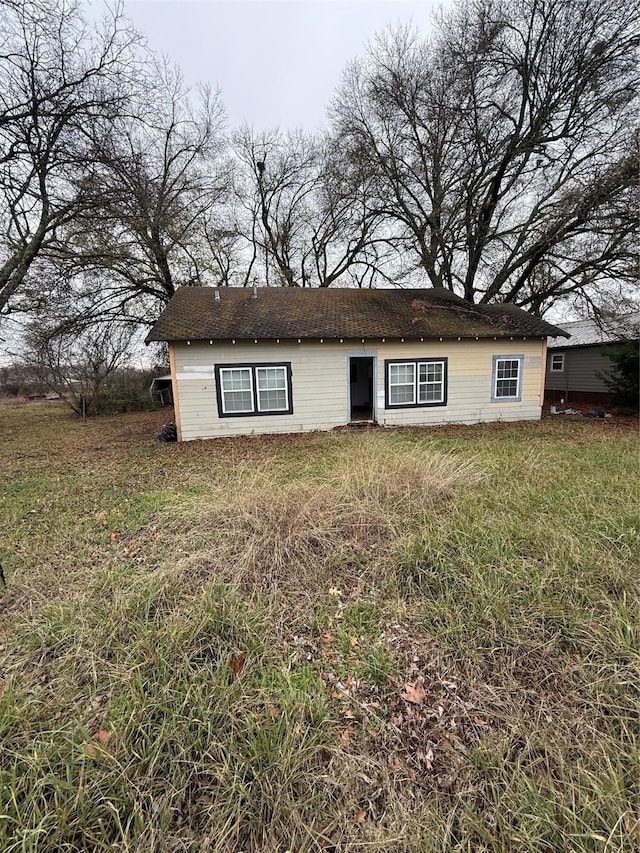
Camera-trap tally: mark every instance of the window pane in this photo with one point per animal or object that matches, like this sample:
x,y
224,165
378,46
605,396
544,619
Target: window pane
x,y
270,378
272,389
399,394
431,382
237,401
432,372
508,369
235,384
236,379
401,384
431,392
401,374
507,388
507,378
272,400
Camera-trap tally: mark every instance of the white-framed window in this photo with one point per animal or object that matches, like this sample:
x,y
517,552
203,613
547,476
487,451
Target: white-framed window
x,y
431,382
271,385
253,389
556,362
507,378
402,384
236,390
419,382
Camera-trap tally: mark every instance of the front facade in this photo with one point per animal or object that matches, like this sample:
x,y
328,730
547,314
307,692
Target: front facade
x,y
231,386
268,387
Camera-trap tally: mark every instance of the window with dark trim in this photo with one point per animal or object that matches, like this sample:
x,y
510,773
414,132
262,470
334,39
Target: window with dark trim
x,y
506,378
410,383
557,362
254,389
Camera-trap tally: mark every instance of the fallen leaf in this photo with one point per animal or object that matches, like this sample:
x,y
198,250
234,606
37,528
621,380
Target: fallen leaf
x,y
361,816
101,516
103,736
374,732
274,712
347,734
114,536
479,721
89,750
428,758
236,662
413,693
353,641
327,637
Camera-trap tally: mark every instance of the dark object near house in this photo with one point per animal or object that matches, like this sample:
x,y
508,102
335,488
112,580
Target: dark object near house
x,y
168,433
3,579
593,414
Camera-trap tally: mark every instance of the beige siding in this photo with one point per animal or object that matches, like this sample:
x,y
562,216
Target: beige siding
x,y
320,383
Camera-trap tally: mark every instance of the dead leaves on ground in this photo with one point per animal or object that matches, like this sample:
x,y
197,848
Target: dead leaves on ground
x,y
102,743
413,693
236,663
422,724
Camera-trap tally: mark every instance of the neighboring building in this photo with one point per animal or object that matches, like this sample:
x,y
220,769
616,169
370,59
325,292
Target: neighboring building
x,y
576,368
287,359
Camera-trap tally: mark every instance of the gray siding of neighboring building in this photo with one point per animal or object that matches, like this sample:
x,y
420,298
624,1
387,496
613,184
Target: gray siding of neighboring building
x,y
583,369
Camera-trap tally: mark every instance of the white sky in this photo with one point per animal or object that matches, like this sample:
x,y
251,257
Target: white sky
x,y
276,62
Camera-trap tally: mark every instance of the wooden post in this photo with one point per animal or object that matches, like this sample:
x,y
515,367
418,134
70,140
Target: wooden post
x,y
174,385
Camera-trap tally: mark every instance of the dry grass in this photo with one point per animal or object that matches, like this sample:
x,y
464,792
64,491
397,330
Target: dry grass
x,y
216,646
306,533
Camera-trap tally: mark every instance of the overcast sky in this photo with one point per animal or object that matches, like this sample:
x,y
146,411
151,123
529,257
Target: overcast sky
x,y
276,62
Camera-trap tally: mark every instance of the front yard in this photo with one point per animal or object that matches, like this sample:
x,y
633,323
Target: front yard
x,y
415,640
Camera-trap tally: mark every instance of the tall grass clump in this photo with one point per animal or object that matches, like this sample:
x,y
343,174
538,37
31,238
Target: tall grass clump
x,y
272,531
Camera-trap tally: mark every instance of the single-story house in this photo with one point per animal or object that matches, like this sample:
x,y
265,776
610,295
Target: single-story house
x,y
576,368
267,360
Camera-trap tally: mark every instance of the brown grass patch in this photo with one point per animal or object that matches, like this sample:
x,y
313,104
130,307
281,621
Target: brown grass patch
x,y
270,533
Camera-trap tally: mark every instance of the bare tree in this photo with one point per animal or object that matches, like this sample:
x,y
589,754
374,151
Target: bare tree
x,y
503,152
61,86
281,175
76,359
306,223
158,181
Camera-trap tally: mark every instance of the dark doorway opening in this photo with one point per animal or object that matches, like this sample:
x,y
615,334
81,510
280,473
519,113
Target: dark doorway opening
x,y
361,389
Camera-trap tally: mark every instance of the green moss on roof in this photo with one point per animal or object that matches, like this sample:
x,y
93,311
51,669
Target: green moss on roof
x,y
194,314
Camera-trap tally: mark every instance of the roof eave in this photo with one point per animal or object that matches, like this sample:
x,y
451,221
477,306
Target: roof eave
x,y
494,335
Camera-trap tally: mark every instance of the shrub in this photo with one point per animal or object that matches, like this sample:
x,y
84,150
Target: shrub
x,y
624,380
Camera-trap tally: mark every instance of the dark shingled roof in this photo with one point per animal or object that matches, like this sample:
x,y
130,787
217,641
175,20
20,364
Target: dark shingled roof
x,y
283,312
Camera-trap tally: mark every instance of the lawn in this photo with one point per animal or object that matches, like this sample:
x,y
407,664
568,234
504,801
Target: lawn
x,y
413,640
